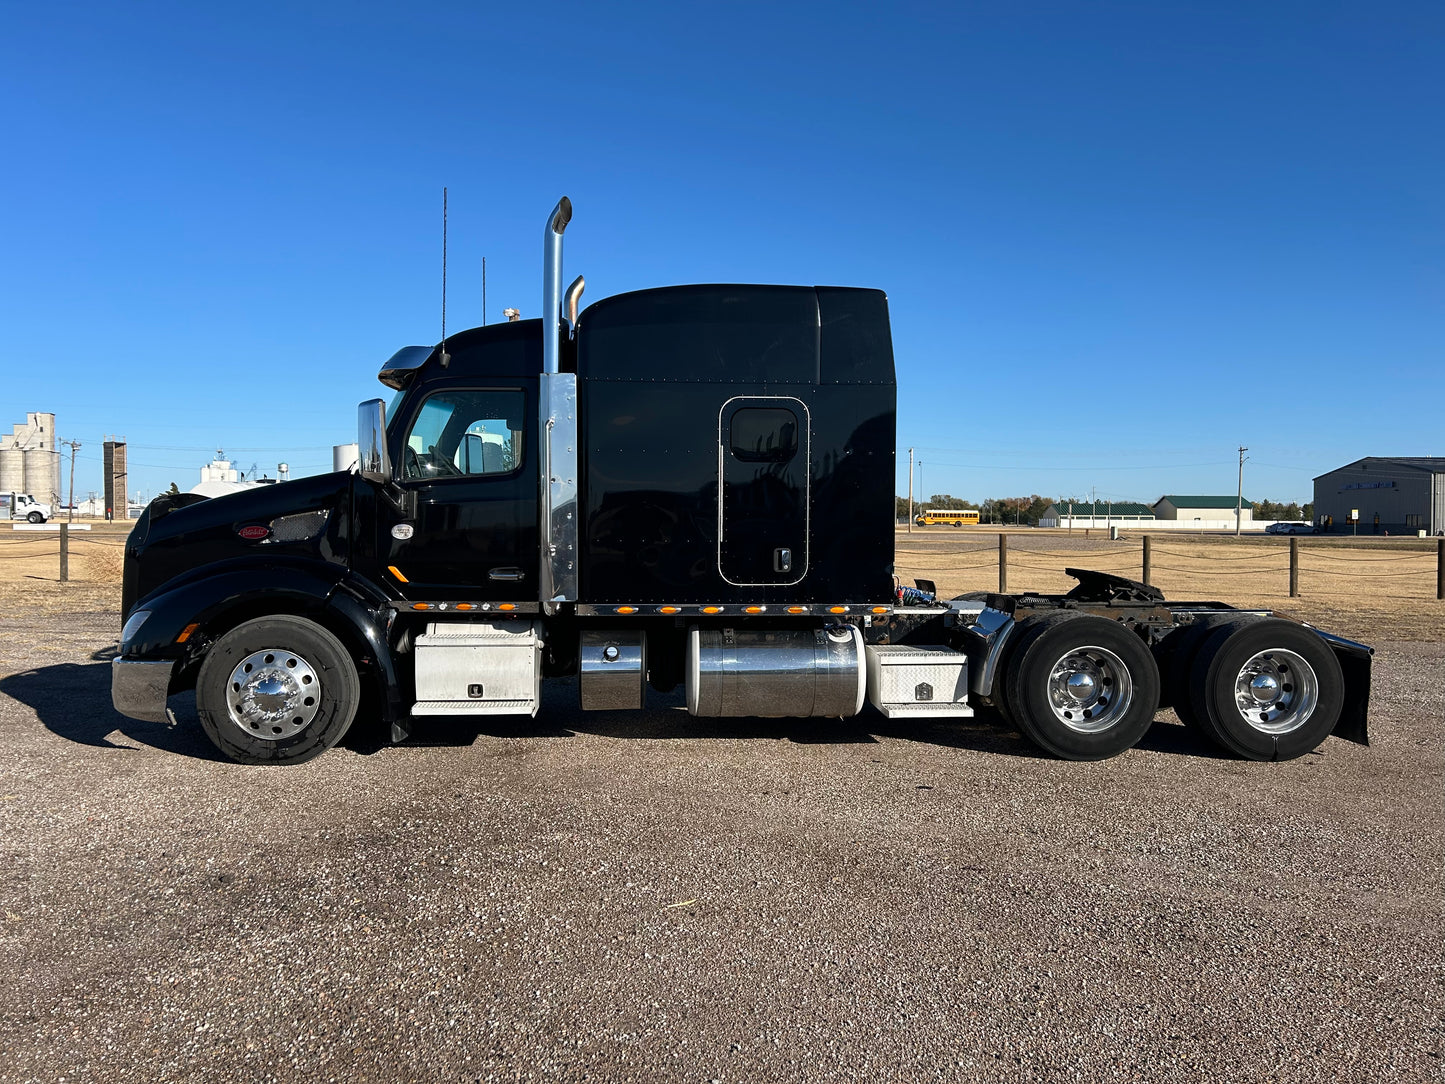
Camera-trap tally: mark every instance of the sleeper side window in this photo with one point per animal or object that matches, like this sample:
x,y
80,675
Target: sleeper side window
x,y
764,434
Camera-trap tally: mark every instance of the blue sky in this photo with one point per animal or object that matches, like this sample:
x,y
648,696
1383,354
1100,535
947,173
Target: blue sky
x,y
1119,239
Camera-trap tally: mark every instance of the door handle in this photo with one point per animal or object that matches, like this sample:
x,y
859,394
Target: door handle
x,y
507,574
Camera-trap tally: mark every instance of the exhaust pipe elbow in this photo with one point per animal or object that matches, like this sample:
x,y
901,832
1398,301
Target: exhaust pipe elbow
x,y
573,296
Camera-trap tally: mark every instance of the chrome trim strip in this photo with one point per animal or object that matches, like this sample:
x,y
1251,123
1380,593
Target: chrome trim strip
x,y
732,609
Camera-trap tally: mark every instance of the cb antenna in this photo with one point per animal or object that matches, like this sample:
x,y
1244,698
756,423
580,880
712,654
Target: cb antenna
x,y
445,358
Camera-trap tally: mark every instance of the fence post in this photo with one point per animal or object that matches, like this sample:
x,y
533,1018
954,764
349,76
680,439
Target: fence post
x,y
64,553
1146,560
1440,568
1002,563
1293,566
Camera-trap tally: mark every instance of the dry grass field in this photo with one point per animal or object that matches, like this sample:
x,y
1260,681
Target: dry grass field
x,y
1367,589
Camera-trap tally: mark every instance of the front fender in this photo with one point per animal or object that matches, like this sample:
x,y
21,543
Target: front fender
x,y
350,607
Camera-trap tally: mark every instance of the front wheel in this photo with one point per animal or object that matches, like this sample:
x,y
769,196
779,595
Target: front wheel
x,y
35,517
277,690
1082,688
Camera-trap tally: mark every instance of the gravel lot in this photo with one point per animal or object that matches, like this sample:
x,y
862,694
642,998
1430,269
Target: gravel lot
x,y
652,897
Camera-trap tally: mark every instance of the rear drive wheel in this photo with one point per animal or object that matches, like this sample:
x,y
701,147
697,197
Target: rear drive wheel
x,y
277,690
1082,688
1267,690
1176,664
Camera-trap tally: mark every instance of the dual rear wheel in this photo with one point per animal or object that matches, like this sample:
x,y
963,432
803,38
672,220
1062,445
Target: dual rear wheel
x,y
1085,688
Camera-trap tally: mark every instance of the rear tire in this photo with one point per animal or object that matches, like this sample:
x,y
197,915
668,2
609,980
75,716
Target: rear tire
x,y
1081,687
1176,665
277,690
1267,690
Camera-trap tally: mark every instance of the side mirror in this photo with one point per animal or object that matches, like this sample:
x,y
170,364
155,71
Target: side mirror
x,y
372,460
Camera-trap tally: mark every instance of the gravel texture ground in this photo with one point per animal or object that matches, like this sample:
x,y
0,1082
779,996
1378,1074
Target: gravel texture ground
x,y
651,897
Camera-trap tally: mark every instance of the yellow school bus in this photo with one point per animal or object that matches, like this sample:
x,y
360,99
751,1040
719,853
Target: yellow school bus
x,y
952,518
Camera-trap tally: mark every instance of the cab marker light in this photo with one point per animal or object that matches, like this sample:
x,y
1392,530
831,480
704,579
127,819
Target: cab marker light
x,y
464,606
712,609
669,609
880,609
626,610
797,609
837,609
755,609
397,573
186,632
507,606
421,605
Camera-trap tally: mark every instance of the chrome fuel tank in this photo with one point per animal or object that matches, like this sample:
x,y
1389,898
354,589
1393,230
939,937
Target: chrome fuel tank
x,y
776,673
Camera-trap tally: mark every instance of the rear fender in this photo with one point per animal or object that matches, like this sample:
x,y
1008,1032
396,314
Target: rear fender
x,y
1355,662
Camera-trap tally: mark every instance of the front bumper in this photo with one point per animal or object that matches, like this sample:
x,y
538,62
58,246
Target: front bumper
x,y
138,687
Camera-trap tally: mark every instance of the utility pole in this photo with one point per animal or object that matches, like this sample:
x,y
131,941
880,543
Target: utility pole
x,y
484,289
922,493
1239,497
72,445
910,490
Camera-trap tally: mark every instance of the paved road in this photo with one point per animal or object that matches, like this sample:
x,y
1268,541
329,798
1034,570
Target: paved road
x,y
656,898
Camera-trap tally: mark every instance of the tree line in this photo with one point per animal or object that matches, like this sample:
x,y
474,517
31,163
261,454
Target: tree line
x,y
1029,510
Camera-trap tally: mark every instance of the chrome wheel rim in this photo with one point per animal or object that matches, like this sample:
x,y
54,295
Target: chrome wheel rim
x,y
1276,691
1090,689
273,694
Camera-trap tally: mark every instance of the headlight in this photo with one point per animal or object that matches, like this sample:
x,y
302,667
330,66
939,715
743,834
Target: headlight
x,y
132,626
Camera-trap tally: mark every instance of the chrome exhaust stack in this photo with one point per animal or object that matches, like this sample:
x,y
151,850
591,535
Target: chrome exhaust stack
x,y
552,285
557,488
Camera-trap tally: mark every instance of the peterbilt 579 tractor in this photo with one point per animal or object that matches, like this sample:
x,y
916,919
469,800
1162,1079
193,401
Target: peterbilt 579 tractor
x,y
689,486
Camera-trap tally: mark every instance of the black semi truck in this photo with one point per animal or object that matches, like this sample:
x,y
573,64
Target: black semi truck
x,y
688,486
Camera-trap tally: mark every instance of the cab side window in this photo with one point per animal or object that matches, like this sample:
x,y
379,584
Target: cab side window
x,y
464,434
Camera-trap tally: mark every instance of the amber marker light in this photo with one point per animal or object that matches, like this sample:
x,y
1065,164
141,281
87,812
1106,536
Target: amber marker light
x,y
754,610
464,605
626,610
507,606
837,609
186,632
397,573
712,609
670,610
880,609
797,609
421,605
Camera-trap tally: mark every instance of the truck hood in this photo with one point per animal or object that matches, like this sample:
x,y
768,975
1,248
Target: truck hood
x,y
307,517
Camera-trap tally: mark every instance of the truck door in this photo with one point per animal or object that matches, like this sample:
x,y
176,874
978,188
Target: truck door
x,y
468,457
763,490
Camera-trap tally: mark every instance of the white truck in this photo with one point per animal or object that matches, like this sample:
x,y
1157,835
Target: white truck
x,y
23,506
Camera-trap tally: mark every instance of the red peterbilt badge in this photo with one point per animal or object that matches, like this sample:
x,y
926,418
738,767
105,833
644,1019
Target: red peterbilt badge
x,y
254,532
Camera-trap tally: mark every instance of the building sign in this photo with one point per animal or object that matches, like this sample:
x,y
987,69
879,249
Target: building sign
x,y
1368,485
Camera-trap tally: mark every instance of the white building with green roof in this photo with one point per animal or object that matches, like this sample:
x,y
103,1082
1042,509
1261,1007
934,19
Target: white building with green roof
x,y
1204,510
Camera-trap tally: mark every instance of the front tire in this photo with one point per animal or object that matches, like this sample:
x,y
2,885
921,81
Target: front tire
x,y
1082,688
277,690
35,517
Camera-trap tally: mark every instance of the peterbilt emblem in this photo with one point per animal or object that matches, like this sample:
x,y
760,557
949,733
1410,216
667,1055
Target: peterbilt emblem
x,y
402,531
253,532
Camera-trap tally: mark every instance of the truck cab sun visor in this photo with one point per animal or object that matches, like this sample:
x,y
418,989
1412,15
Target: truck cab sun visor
x,y
398,372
